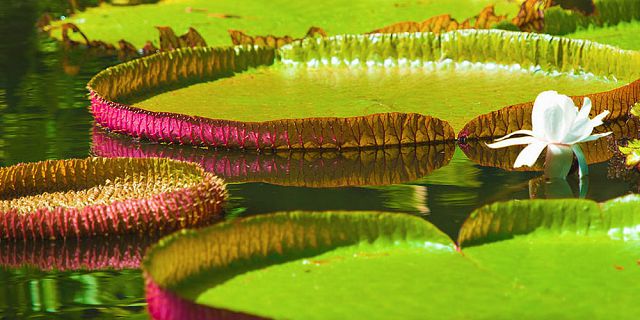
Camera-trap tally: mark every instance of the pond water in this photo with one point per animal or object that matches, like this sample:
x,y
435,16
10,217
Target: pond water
x,y
44,115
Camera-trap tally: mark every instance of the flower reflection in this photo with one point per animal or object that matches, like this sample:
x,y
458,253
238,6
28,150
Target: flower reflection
x,y
543,188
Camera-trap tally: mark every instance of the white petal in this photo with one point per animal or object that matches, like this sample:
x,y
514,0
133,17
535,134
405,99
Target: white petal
x,y
586,108
530,154
579,130
595,136
597,120
552,116
529,132
554,123
512,142
569,111
544,100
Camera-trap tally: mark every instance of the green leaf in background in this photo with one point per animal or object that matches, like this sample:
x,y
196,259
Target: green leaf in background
x,y
213,18
540,259
623,35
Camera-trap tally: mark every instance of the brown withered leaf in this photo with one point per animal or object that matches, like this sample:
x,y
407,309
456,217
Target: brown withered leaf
x,y
487,18
315,32
531,15
126,50
169,40
241,38
442,23
66,39
529,18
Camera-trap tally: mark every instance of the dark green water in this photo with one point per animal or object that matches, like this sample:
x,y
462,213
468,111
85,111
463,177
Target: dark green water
x,y
44,115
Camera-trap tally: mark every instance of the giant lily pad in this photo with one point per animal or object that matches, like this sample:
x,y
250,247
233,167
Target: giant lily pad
x,y
306,169
99,196
524,258
191,96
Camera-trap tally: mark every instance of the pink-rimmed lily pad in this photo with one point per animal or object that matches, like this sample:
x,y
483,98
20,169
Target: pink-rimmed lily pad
x,y
100,196
345,91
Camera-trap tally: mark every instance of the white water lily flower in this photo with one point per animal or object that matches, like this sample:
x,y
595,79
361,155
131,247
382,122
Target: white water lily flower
x,y
558,126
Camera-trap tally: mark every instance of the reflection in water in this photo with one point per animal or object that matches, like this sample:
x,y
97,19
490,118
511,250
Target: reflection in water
x,y
95,278
27,292
543,188
73,254
296,168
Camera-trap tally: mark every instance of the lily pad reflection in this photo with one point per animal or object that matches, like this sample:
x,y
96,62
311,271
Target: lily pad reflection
x,y
384,166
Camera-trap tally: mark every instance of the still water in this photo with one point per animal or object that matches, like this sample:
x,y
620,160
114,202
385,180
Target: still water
x,y
44,115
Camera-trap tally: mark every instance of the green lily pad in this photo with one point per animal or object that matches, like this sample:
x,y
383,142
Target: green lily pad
x,y
522,258
99,196
340,91
347,91
623,35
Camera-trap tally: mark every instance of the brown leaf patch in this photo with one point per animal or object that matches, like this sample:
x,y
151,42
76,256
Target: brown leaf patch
x,y
241,38
531,15
66,39
125,50
169,40
442,23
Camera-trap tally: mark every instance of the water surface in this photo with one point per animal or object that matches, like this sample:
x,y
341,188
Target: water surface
x,y
44,115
